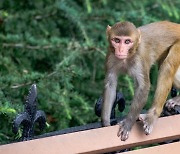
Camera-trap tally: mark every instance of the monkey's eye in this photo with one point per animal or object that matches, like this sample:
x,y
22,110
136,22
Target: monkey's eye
x,y
127,41
117,40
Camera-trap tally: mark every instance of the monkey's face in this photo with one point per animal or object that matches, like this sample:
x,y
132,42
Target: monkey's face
x,y
122,46
123,38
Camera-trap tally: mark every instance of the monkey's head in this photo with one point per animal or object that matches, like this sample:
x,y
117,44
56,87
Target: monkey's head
x,y
123,39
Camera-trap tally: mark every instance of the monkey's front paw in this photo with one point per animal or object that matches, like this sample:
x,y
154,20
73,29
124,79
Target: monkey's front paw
x,y
148,127
123,131
148,123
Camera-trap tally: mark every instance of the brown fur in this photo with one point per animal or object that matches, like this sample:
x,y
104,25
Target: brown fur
x,y
156,42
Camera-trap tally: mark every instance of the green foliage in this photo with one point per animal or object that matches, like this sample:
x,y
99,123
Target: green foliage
x,y
61,45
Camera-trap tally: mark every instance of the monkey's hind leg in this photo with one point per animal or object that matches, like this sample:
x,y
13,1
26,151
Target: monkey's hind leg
x,y
165,79
171,103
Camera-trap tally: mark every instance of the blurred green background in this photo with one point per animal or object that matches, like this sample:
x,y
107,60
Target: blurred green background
x,y
61,45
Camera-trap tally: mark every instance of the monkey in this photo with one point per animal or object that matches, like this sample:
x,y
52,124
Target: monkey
x,y
133,51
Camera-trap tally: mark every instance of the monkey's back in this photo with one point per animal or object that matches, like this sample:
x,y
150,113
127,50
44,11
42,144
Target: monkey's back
x,y
157,38
162,29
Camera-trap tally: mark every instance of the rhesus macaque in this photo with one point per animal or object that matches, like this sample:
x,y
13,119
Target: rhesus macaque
x,y
133,51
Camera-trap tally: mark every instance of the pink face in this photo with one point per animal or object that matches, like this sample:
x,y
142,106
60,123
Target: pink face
x,y
121,45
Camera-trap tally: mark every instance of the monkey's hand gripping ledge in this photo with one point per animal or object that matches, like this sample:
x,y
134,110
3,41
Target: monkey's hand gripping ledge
x,y
103,140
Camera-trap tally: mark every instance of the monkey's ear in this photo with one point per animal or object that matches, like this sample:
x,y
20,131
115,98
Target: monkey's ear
x,y
108,29
139,36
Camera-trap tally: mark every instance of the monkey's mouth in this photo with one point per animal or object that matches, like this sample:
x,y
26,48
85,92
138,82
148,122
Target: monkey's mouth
x,y
121,56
